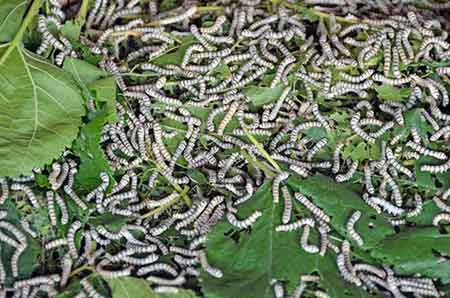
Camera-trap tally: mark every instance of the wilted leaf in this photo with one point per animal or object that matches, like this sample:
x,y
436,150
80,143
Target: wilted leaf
x,y
41,111
11,13
416,250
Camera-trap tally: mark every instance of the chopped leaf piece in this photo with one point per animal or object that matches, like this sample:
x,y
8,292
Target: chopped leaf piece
x,y
391,93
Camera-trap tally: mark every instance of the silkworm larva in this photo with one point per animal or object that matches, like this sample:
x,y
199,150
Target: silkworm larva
x,y
215,272
351,228
287,205
295,225
243,224
276,186
278,289
309,248
350,172
441,217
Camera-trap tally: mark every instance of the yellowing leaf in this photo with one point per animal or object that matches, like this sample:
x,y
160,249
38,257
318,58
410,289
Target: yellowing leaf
x,y
41,109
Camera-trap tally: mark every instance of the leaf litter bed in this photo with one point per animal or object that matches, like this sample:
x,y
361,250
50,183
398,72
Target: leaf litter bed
x,y
224,149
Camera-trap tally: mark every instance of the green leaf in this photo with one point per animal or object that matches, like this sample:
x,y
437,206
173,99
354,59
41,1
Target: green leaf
x,y
83,72
168,4
414,250
260,96
40,114
105,92
391,93
413,119
249,263
360,150
95,83
112,221
131,287
92,158
175,57
11,14
340,200
42,180
71,30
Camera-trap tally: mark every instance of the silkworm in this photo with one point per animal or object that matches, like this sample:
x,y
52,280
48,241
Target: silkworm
x,y
295,225
66,270
55,243
179,280
278,289
309,248
69,191
425,151
441,217
15,259
316,148
349,174
387,206
215,272
228,116
74,227
243,224
287,210
344,265
276,185
28,192
354,124
51,208
391,158
351,230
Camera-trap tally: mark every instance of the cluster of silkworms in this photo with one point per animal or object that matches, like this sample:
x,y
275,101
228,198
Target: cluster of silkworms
x,y
382,279
181,151
300,289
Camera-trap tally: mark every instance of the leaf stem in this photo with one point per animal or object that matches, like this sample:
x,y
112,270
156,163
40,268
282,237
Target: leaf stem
x,y
165,206
81,17
262,150
81,269
18,38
